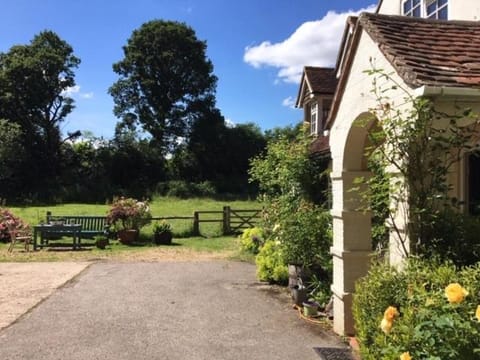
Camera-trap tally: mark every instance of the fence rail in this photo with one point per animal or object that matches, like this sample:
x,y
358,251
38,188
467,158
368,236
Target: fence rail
x,y
233,220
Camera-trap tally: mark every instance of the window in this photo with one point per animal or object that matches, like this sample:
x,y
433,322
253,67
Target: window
x,y
473,183
436,9
412,8
313,118
431,9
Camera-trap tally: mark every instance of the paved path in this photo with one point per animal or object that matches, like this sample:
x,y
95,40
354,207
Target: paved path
x,y
164,310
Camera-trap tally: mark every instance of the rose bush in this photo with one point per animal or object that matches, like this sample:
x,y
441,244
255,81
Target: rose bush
x,y
7,218
128,214
429,310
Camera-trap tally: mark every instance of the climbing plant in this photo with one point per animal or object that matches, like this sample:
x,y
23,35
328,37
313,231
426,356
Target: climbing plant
x,y
418,147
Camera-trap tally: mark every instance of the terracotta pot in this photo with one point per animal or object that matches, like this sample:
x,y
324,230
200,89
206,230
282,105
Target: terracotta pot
x,y
127,237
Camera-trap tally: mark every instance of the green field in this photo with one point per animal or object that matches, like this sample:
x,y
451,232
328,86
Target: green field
x,y
210,244
160,206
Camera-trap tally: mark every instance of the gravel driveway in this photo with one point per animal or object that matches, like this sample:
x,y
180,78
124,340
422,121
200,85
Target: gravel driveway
x,y
164,310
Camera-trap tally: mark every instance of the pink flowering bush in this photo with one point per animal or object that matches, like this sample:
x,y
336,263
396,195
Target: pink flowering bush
x,y
7,218
128,213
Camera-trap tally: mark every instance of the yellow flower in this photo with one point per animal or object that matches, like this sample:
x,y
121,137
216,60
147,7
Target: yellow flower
x,y
477,313
405,356
386,326
455,293
391,313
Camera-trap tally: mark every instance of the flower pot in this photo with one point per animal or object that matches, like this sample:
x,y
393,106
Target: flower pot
x,y
163,238
310,308
127,237
299,294
102,243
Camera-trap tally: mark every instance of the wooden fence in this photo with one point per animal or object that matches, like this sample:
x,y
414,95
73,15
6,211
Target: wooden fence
x,y
233,221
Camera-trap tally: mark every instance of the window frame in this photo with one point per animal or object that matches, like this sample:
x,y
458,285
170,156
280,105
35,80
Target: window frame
x,y
421,10
314,118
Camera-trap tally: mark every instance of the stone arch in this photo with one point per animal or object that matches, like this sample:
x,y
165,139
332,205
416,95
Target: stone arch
x,y
352,241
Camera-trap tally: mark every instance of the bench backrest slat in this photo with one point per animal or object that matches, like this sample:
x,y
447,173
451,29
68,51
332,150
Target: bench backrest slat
x,y
89,223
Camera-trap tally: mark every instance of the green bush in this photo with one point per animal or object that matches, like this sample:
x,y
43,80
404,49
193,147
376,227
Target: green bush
x,y
428,325
270,264
251,240
454,236
184,189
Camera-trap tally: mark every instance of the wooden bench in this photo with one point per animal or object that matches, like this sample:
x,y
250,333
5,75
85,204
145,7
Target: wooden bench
x,y
91,225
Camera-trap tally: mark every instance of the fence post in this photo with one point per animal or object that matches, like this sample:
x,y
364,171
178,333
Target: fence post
x,y
226,220
196,224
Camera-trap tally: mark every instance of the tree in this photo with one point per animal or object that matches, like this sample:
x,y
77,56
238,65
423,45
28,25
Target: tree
x,y
33,83
163,77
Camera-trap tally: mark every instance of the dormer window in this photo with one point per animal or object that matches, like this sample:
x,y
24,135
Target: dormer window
x,y
437,9
314,118
431,9
412,8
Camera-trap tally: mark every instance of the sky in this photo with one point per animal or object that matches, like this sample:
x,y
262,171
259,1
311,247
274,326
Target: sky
x,y
258,48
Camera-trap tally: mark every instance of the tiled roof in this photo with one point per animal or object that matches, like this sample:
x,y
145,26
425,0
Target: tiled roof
x,y
320,145
321,80
428,52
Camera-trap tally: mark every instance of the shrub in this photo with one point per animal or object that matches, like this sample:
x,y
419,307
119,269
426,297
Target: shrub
x,y
7,218
184,189
428,325
270,264
454,236
128,213
251,240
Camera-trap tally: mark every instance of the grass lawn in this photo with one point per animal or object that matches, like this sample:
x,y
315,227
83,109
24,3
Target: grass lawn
x,y
194,248
208,246
160,206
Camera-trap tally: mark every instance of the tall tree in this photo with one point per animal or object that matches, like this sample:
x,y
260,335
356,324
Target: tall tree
x,y
164,75
33,81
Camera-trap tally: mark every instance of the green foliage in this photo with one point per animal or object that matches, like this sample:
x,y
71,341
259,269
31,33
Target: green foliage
x,y
453,237
379,201
305,233
34,79
252,240
429,327
162,227
270,264
288,179
184,190
165,81
420,145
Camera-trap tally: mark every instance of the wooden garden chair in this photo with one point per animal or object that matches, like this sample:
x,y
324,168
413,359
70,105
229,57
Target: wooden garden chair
x,y
19,235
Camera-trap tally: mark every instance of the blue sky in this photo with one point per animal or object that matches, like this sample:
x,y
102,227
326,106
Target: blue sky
x,y
258,48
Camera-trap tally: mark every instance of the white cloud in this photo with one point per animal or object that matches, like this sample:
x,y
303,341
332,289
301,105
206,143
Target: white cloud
x,y
314,43
74,91
71,90
229,123
88,95
289,102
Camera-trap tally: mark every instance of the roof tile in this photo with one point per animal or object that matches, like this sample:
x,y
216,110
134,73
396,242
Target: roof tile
x,y
428,52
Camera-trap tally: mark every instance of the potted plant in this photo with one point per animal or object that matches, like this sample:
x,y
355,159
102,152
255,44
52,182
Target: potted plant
x,y
101,241
162,233
127,216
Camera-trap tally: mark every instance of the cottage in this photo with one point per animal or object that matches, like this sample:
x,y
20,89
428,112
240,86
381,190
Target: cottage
x,y
431,48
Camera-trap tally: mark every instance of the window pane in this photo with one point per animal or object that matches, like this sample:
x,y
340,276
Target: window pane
x,y
442,2
443,13
407,6
417,12
416,2
431,8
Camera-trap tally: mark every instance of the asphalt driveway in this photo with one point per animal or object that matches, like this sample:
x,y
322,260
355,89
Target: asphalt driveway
x,y
164,310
